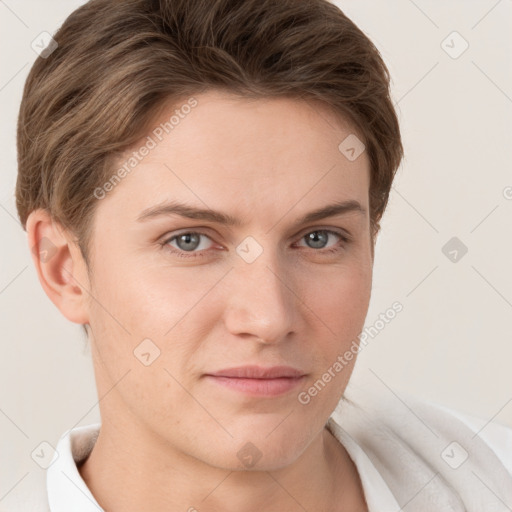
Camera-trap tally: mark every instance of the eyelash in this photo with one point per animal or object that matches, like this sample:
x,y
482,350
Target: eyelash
x,y
192,255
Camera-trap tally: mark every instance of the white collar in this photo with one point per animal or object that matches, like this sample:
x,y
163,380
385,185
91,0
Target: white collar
x,y
66,488
379,497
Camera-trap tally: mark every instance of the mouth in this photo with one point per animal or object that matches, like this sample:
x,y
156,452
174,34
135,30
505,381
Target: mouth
x,y
258,387
258,381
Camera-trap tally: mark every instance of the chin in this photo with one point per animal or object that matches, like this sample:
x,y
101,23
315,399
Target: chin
x,y
264,449
253,458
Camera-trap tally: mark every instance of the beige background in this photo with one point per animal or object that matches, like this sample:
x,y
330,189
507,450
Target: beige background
x,y
451,344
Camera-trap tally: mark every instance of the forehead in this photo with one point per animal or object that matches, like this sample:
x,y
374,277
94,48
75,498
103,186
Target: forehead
x,y
253,154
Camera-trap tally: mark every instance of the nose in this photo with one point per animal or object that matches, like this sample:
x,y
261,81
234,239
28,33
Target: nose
x,y
262,303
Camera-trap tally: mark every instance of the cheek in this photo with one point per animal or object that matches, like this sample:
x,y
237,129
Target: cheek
x,y
171,306
149,298
167,302
341,300
340,305
142,338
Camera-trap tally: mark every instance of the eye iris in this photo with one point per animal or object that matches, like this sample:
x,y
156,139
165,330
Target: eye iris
x,y
315,239
187,237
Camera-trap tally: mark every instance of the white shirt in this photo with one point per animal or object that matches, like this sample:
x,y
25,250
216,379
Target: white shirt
x,y
407,457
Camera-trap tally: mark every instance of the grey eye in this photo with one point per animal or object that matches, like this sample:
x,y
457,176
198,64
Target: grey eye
x,y
317,239
188,241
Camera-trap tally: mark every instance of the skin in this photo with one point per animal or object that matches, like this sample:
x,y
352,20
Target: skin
x,y
170,437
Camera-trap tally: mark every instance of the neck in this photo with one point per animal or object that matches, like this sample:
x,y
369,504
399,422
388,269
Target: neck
x,y
129,470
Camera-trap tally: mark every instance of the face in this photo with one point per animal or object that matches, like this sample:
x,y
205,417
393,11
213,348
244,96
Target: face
x,y
179,297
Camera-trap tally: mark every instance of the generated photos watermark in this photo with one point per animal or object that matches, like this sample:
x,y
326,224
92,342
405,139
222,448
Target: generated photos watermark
x,y
304,397
152,140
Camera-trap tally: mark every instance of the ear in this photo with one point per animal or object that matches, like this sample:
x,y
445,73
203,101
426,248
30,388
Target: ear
x,y
60,266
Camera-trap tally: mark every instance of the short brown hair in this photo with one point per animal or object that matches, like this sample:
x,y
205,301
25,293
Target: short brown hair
x,y
119,61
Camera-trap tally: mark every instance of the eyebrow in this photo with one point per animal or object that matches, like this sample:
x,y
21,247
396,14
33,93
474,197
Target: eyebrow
x,y
191,212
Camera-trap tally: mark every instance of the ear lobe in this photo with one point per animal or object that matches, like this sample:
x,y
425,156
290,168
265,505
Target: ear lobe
x,y
59,264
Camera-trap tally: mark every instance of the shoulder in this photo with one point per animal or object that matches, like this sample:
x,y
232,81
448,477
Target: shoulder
x,y
410,417
442,457
496,435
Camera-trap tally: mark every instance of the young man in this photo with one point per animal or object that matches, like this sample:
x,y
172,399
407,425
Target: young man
x,y
205,180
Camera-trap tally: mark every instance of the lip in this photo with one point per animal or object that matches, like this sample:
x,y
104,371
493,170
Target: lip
x,y
259,381
259,372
